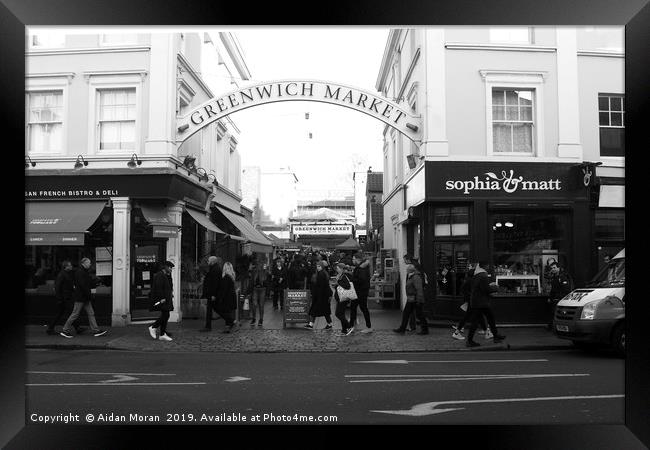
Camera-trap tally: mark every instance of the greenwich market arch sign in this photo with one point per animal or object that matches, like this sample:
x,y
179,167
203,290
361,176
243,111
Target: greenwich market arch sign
x,y
395,115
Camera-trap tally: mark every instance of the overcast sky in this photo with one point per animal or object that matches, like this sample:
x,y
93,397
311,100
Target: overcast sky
x,y
277,135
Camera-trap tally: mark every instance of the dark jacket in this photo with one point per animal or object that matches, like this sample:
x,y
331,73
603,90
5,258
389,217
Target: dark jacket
x,y
82,285
466,288
226,298
320,295
344,282
277,275
64,285
296,276
260,278
162,288
361,278
414,288
481,290
211,281
560,285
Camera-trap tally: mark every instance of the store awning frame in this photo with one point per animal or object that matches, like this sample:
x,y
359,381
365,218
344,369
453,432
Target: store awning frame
x,y
162,225
60,222
263,244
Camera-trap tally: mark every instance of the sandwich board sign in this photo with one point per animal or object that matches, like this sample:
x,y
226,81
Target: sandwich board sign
x,y
296,306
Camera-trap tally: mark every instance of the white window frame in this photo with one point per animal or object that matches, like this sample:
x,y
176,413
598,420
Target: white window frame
x,y
530,40
103,43
31,45
45,84
613,161
533,81
98,83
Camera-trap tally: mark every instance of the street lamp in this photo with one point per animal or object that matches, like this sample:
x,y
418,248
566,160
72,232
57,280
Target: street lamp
x,y
135,161
81,162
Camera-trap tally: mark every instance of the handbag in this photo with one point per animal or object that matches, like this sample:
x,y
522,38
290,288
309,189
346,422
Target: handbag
x,y
346,295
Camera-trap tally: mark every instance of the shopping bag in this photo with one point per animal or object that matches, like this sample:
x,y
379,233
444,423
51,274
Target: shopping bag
x,y
246,304
346,295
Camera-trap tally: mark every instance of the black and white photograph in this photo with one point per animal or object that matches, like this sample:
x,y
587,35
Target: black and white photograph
x,y
325,225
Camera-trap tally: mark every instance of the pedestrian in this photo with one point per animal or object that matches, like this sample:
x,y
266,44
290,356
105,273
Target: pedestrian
x,y
211,283
161,297
279,278
321,293
561,285
258,285
63,290
361,281
82,297
227,297
480,304
466,290
343,280
414,300
295,274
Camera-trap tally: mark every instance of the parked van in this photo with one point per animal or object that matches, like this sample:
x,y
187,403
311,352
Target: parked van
x,y
596,313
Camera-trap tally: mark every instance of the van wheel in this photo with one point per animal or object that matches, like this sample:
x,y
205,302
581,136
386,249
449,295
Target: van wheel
x,y
618,339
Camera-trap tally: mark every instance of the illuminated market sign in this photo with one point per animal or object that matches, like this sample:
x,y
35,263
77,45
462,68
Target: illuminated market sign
x,y
395,115
322,229
506,181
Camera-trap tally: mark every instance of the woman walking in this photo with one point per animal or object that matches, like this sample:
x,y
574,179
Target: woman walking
x,y
258,283
343,280
321,293
414,300
227,297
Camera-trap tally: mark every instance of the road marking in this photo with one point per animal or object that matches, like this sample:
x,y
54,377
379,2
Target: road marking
x,y
119,379
467,378
111,384
235,379
504,375
426,409
105,373
404,361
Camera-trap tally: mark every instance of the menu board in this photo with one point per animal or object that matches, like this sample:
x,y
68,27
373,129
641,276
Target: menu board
x,y
296,306
462,261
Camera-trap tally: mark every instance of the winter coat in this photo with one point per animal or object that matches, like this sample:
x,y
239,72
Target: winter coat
x,y
227,297
260,278
162,288
466,288
361,278
277,275
560,285
481,290
82,285
211,281
64,285
320,296
414,288
344,282
295,276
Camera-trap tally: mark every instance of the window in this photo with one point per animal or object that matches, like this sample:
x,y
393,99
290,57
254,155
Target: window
x,y
611,119
45,122
452,221
513,35
46,40
119,39
610,224
117,114
512,121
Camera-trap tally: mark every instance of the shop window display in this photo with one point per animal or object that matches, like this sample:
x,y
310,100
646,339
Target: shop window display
x,y
451,248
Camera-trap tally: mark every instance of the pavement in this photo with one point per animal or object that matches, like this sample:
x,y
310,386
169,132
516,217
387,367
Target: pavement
x,y
272,337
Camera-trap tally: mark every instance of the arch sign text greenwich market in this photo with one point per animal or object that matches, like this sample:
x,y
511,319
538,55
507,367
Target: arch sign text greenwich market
x,y
392,114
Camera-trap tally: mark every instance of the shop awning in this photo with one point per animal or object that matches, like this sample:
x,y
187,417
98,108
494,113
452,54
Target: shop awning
x,y
59,223
260,242
163,225
203,220
611,196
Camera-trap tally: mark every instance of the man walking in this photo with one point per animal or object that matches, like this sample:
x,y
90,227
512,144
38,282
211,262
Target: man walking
x,y
82,300
361,281
211,283
414,300
561,285
279,277
162,293
63,289
480,304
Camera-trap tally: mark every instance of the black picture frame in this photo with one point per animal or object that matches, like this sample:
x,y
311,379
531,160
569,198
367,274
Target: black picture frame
x,y
634,14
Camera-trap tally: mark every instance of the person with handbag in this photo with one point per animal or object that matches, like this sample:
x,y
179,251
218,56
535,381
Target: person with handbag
x,y
161,296
466,290
361,280
414,300
227,297
344,294
321,293
480,304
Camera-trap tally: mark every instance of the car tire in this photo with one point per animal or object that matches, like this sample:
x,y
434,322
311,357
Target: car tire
x,y
618,339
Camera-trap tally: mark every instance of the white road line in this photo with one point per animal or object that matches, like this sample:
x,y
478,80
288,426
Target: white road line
x,y
109,384
468,377
404,361
105,373
235,379
425,409
464,375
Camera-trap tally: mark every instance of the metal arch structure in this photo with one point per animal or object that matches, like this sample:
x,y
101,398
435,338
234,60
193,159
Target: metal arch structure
x,y
395,115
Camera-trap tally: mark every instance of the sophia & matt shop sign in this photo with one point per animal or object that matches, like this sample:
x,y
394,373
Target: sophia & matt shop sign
x,y
506,182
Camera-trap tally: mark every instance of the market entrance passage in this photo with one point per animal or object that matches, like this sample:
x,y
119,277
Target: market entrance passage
x,y
395,115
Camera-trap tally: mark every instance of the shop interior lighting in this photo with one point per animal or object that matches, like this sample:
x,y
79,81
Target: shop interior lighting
x,y
135,161
509,224
27,158
81,162
498,224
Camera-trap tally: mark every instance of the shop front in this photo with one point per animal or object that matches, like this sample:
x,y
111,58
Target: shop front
x,y
127,223
517,216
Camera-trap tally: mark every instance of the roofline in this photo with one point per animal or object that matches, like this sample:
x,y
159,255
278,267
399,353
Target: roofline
x,y
384,68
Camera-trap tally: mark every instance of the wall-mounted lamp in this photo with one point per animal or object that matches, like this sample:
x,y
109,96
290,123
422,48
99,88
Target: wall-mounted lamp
x,y
135,161
509,224
498,224
81,162
189,162
412,160
204,175
306,116
183,127
27,158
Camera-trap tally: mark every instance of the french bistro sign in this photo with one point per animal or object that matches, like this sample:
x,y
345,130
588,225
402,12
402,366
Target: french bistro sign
x,y
503,180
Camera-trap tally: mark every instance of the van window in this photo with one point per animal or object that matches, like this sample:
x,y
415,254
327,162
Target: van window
x,y
612,275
